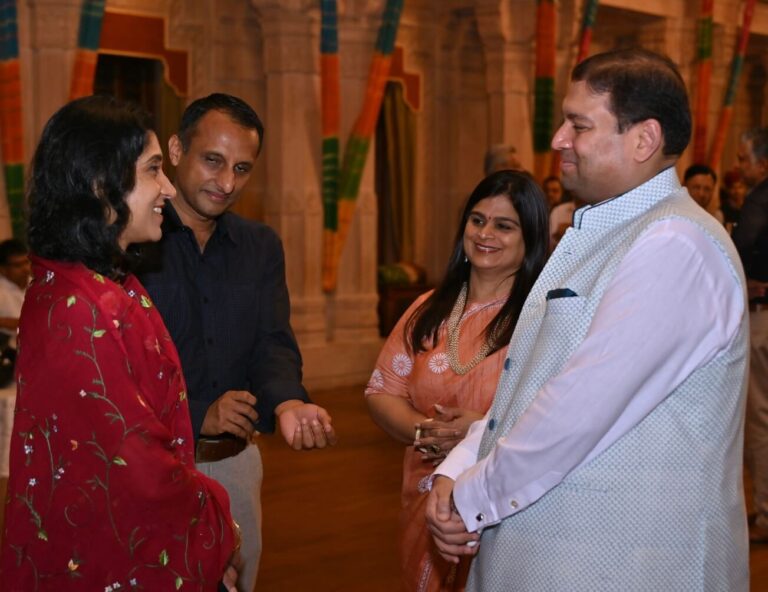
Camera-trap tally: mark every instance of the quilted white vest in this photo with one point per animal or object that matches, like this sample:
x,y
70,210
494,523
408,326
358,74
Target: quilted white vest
x,y
662,509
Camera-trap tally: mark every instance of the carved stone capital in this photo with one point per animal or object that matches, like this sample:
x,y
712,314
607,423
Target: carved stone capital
x,y
154,7
493,21
285,6
54,24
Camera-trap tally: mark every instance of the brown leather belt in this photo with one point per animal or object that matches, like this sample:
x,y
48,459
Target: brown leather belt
x,y
213,449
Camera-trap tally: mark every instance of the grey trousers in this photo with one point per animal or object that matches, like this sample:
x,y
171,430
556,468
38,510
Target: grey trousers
x,y
756,427
241,476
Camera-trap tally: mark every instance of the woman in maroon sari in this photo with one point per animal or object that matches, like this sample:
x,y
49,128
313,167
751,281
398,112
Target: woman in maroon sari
x,y
103,494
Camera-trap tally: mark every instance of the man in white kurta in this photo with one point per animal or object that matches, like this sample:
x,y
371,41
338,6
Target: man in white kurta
x,y
611,457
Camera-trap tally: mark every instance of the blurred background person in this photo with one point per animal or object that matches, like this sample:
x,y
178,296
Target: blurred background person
x,y
700,180
439,367
553,190
15,271
501,157
732,195
751,240
103,493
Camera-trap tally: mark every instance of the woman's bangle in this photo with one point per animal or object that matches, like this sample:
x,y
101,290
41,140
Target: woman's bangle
x,y
238,536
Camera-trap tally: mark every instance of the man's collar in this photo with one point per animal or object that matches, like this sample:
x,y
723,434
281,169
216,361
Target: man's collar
x,y
630,204
172,223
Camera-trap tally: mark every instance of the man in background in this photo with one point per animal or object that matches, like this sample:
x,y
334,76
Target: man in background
x,y
15,271
700,181
751,239
500,157
218,281
553,189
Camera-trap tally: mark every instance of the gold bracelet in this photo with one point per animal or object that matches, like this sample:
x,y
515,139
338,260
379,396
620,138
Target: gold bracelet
x,y
238,536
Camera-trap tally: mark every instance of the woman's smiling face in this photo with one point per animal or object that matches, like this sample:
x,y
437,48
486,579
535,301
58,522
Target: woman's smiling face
x,y
493,236
146,199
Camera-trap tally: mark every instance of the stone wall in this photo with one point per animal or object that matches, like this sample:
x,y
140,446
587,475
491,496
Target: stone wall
x,y
475,60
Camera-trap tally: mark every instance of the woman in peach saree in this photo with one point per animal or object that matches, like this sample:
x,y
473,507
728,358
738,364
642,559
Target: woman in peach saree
x,y
440,365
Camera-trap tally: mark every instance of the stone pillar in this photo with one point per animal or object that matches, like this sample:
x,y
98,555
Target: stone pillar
x,y
507,42
569,16
458,130
291,195
53,26
338,334
190,27
419,32
352,309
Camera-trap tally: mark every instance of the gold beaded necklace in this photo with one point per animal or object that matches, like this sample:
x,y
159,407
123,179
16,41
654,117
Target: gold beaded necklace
x,y
452,348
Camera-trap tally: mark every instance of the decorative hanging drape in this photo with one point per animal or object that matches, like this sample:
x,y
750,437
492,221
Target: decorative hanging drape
x,y
329,96
11,130
84,71
544,102
587,26
356,149
703,77
396,139
716,152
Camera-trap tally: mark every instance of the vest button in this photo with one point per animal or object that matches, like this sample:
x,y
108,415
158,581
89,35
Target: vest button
x,y
491,424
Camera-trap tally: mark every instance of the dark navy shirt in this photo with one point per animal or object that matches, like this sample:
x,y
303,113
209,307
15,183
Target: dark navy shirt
x,y
751,235
228,312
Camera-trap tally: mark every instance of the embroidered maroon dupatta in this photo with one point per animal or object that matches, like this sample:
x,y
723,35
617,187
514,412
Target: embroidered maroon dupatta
x,y
103,494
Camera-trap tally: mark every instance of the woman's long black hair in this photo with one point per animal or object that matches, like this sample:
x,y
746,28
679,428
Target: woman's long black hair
x,y
529,201
82,171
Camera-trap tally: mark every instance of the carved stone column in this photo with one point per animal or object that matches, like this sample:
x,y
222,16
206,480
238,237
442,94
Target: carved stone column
x,y
507,44
459,130
53,26
352,316
421,27
569,16
337,333
291,201
352,309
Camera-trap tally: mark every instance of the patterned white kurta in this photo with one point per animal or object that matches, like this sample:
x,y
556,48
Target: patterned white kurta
x,y
662,509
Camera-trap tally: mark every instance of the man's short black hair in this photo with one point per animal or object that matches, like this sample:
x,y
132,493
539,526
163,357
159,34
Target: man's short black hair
x,y
240,112
699,169
642,85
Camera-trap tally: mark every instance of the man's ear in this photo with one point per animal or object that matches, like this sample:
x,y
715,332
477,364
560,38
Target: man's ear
x,y
650,139
175,149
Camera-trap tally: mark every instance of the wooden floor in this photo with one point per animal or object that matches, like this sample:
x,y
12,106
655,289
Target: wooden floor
x,y
330,517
